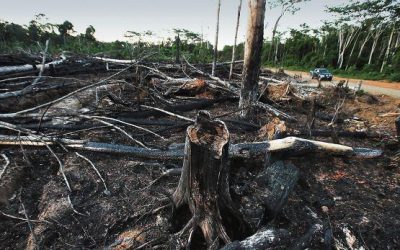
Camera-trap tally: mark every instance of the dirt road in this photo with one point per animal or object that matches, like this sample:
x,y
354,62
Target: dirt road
x,y
374,87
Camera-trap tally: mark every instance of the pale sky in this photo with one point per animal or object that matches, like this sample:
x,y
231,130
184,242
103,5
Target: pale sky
x,y
112,18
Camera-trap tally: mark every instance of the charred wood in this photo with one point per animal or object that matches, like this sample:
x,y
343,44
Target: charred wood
x,y
264,239
292,146
204,183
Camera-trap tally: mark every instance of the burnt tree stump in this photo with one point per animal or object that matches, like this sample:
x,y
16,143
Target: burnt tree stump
x,y
204,184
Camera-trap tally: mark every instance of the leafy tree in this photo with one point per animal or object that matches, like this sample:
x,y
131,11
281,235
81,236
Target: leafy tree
x,y
65,29
287,6
89,33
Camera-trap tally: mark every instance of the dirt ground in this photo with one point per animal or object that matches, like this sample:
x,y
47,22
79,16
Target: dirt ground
x,y
360,196
371,86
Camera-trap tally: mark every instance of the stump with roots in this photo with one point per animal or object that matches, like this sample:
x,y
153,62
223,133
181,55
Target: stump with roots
x,y
204,185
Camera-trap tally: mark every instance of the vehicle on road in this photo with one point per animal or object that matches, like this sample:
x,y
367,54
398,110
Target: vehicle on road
x,y
321,74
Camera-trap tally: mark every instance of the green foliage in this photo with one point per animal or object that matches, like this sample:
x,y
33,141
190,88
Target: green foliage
x,y
306,48
360,92
395,77
14,37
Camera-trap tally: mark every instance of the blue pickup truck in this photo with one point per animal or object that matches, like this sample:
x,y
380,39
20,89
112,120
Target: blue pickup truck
x,y
321,74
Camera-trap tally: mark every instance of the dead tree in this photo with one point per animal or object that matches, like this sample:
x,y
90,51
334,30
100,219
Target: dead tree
x,y
216,40
178,45
204,183
252,56
235,41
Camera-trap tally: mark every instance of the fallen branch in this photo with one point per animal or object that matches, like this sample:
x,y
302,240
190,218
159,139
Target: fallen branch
x,y
19,113
106,191
391,114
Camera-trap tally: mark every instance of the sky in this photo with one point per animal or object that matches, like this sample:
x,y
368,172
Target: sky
x,y
112,18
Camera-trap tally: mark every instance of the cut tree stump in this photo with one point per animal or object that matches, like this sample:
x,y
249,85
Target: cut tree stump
x,y
204,184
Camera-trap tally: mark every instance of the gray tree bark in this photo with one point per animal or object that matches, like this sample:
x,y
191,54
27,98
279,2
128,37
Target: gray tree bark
x,y
216,40
377,35
235,42
385,59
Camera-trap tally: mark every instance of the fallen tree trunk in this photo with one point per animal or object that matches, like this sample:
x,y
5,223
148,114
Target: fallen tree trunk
x,y
28,67
291,146
328,133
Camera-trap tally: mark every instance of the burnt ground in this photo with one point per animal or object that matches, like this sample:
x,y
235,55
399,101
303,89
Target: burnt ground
x,y
358,195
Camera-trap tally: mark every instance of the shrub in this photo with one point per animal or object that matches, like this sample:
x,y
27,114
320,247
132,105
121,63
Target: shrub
x,y
395,77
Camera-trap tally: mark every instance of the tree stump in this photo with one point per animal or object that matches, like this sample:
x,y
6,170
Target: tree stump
x,y
204,184
397,123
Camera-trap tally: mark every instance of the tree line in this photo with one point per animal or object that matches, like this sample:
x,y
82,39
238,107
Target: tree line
x,y
363,41
63,38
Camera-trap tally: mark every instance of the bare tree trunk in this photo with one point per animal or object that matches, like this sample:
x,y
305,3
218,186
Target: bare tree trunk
x,y
352,51
344,42
378,33
276,51
385,59
234,44
178,45
340,41
274,33
216,40
363,45
252,56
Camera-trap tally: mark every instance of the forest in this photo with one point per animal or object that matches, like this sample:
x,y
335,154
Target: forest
x,y
172,143
363,41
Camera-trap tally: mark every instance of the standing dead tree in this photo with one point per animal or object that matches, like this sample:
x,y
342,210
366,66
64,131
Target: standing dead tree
x,y
235,41
252,56
216,40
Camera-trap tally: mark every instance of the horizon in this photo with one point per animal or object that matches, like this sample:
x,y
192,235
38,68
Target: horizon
x,y
141,15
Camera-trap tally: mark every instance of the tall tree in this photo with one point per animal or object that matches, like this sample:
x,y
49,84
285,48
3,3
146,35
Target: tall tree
x,y
216,40
287,6
252,56
346,35
235,41
65,28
